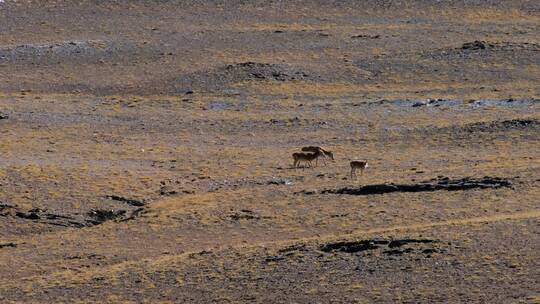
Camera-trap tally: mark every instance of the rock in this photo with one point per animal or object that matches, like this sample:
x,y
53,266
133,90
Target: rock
x,y
13,245
219,105
363,36
391,246
279,181
476,45
3,116
135,213
131,202
28,216
351,247
99,216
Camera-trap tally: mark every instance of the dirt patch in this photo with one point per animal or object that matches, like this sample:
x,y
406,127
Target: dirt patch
x,y
482,49
476,62
92,218
497,126
439,184
236,183
4,209
236,73
286,252
452,103
476,129
192,184
510,102
89,51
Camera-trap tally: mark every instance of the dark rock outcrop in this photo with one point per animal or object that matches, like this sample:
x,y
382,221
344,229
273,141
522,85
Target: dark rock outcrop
x,y
13,245
100,216
131,202
352,246
439,184
390,247
476,45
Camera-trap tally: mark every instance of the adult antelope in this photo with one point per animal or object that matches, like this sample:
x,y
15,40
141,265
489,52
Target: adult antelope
x,y
322,153
358,164
299,157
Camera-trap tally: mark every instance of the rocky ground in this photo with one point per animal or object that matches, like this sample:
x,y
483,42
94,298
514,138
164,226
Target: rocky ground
x,y
146,151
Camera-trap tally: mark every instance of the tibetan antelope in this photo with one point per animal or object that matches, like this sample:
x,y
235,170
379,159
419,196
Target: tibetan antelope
x,y
358,164
322,153
304,157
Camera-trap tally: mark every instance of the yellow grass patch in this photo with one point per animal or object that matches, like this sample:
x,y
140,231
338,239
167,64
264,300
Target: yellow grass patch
x,y
493,15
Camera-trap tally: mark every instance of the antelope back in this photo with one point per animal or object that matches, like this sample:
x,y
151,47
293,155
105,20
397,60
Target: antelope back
x,y
313,149
359,164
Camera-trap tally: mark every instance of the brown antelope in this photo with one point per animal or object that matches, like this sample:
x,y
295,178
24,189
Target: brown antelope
x,y
304,157
329,154
358,164
322,153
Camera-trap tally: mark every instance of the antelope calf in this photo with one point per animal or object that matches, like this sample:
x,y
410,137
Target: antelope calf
x,y
304,157
322,153
358,164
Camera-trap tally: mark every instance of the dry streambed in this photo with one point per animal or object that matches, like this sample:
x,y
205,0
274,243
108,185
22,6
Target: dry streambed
x,y
128,210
